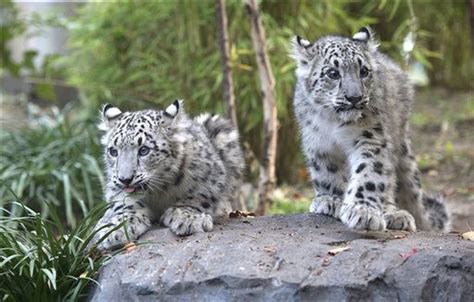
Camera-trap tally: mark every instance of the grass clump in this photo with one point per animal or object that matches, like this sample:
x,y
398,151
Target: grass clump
x,y
55,161
41,261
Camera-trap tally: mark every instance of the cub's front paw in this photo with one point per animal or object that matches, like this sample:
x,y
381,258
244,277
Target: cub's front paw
x,y
185,221
400,220
116,239
128,232
362,217
326,205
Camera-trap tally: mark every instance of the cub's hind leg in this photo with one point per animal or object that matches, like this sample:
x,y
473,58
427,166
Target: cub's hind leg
x,y
409,195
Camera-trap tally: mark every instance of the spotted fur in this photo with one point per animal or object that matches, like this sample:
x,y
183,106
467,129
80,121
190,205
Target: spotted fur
x,y
352,104
164,166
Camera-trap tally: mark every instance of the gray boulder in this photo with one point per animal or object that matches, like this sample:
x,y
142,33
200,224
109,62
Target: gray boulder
x,y
291,258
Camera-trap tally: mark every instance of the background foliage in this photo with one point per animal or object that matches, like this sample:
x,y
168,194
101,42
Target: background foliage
x,y
57,161
142,54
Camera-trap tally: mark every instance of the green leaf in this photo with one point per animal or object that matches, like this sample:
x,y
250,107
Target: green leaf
x,y
45,91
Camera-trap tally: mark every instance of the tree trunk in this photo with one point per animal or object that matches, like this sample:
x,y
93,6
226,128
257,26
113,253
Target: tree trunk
x,y
228,84
270,123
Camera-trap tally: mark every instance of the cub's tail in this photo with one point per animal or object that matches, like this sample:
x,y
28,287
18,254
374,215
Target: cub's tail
x,y
436,212
225,138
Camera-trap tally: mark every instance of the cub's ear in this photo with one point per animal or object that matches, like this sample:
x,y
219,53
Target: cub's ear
x,y
109,116
365,35
303,52
174,109
110,112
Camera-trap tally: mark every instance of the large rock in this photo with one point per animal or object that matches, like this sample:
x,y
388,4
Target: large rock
x,y
291,258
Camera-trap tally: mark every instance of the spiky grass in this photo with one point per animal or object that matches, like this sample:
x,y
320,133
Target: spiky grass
x,y
41,261
55,162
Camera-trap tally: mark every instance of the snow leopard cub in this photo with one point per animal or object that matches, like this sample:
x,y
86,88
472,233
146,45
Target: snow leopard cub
x,y
165,166
352,104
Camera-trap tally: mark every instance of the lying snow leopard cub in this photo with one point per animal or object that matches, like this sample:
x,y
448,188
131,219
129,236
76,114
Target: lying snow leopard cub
x,y
352,105
163,165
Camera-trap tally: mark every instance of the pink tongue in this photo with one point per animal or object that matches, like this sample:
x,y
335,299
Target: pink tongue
x,y
129,189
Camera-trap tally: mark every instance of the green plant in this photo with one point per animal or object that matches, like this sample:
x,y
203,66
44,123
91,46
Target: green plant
x,y
10,27
287,206
41,261
56,161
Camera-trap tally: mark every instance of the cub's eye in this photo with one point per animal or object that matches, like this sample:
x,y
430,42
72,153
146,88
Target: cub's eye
x,y
364,71
113,152
333,74
144,150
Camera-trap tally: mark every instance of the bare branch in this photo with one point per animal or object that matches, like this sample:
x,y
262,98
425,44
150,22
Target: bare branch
x,y
228,84
267,81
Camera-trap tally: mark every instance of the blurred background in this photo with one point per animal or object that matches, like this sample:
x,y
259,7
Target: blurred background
x,y
61,60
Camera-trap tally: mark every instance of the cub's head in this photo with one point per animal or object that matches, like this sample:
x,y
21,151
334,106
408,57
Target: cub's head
x,y
337,72
141,148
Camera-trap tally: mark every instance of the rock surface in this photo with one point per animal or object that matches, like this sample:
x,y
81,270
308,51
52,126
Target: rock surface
x,y
291,258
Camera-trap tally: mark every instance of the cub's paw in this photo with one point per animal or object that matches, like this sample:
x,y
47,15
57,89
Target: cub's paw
x,y
185,221
115,240
362,217
128,232
326,205
400,220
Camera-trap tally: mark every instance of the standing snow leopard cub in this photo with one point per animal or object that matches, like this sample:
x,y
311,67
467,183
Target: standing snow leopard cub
x,y
164,166
352,104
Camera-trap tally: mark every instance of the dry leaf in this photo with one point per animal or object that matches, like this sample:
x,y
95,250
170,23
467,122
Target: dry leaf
x,y
269,249
468,236
337,250
130,247
238,213
409,254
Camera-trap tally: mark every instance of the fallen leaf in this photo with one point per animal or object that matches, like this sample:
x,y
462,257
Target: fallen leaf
x,y
337,250
409,254
269,249
297,195
130,247
238,213
468,236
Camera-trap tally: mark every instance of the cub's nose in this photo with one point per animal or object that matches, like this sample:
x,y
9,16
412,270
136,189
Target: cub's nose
x,y
354,99
126,181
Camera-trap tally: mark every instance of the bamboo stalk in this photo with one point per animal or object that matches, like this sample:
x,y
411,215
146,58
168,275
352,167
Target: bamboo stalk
x,y
267,82
228,83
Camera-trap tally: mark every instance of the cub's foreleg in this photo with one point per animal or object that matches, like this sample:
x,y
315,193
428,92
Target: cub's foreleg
x,y
136,219
329,182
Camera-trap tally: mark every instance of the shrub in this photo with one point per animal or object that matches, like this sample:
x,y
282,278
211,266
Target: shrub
x,y
40,261
55,162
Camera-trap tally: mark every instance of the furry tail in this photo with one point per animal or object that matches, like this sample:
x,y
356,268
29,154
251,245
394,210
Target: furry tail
x,y
436,212
225,139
